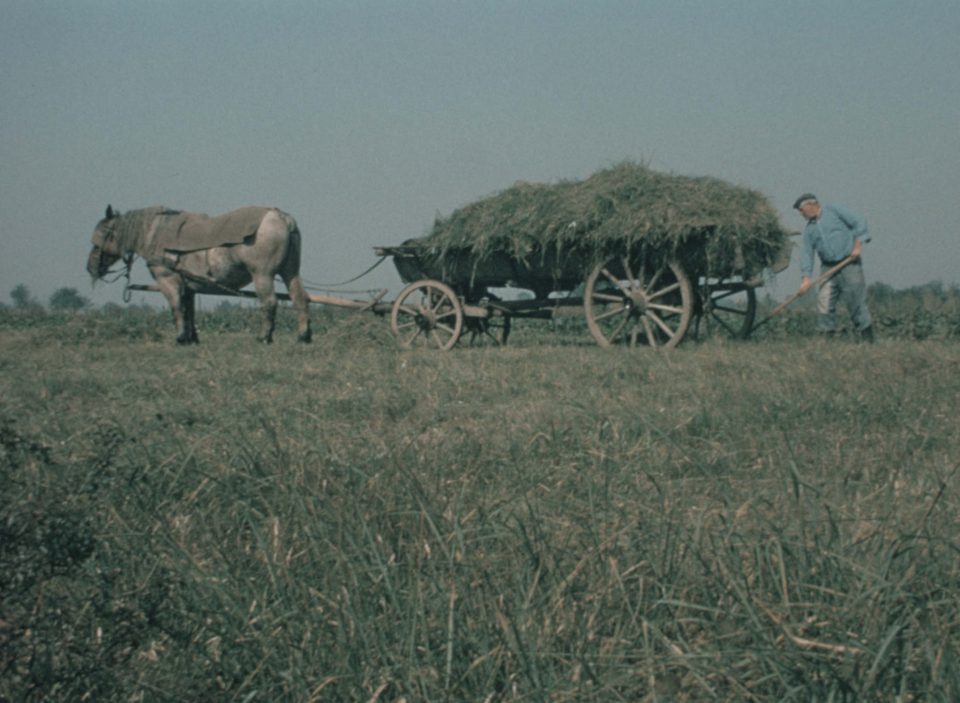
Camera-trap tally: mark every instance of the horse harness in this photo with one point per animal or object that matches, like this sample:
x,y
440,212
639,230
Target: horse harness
x,y
169,260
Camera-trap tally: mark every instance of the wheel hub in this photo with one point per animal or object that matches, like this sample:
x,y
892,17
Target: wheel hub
x,y
427,319
637,302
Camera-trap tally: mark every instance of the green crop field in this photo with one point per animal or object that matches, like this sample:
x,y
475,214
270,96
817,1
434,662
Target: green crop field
x,y
768,520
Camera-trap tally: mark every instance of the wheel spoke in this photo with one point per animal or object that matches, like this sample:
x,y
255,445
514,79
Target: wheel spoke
x,y
664,291
651,337
634,282
616,311
656,277
492,336
437,301
725,294
661,324
723,323
616,331
672,309
616,281
408,342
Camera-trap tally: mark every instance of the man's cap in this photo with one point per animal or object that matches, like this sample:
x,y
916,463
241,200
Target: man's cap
x,y
804,198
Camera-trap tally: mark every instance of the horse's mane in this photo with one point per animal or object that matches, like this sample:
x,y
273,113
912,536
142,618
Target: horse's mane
x,y
131,227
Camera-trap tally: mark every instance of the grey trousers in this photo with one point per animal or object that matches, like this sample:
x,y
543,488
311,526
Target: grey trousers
x,y
848,285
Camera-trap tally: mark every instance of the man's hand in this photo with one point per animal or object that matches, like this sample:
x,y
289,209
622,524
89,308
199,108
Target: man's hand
x,y
805,284
857,246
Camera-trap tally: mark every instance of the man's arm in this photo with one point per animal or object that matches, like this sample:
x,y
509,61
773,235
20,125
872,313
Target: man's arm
x,y
857,247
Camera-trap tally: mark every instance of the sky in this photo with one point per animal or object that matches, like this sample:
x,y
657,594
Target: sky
x,y
367,120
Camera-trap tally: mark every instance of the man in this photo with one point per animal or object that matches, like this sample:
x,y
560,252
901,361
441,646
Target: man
x,y
835,233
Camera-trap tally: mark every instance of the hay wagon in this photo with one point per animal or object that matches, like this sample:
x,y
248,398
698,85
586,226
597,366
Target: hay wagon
x,y
645,256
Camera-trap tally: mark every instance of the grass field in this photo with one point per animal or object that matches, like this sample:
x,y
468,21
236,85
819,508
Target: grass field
x,y
771,520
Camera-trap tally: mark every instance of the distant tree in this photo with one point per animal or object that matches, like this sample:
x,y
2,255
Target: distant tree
x,y
22,298
68,299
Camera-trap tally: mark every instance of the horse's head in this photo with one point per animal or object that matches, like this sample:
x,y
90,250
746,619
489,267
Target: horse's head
x,y
106,252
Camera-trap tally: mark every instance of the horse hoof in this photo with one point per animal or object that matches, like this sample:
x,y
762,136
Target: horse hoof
x,y
265,340
305,337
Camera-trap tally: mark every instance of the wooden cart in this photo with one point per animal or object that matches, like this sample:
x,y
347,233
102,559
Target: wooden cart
x,y
632,298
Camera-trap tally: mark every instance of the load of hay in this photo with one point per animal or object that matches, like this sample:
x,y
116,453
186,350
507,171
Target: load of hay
x,y
714,227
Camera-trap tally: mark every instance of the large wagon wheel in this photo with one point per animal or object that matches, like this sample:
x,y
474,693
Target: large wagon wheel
x,y
725,308
427,313
627,303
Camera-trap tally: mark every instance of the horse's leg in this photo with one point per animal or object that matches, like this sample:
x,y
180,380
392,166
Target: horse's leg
x,y
301,302
268,306
190,316
172,288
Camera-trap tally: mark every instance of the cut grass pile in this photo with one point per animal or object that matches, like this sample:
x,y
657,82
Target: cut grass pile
x,y
725,228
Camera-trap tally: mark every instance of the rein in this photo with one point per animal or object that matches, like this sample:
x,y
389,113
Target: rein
x,y
312,285
124,272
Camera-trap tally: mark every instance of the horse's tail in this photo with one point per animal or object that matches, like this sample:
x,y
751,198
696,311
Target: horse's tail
x,y
291,262
290,272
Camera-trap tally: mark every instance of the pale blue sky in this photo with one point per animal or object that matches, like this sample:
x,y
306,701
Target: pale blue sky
x,y
366,119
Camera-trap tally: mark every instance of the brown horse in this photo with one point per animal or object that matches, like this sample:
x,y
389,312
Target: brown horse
x,y
189,254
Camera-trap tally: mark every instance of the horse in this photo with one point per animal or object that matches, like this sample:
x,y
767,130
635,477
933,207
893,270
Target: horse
x,y
188,254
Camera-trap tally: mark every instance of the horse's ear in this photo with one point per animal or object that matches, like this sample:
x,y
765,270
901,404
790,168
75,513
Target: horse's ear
x,y
110,212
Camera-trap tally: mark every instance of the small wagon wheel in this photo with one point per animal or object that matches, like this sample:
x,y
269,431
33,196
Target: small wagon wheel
x,y
487,330
725,308
628,303
486,322
427,313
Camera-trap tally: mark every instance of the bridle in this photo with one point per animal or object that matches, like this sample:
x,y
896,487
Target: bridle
x,y
127,259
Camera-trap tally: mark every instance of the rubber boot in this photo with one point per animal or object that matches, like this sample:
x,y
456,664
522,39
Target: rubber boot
x,y
866,335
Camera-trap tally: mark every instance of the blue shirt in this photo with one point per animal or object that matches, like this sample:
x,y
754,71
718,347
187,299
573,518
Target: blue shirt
x,y
831,235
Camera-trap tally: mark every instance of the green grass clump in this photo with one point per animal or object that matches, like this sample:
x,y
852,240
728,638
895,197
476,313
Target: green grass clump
x,y
347,521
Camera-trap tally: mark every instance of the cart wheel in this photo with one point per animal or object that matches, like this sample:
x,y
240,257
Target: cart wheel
x,y
725,308
487,331
427,313
626,303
